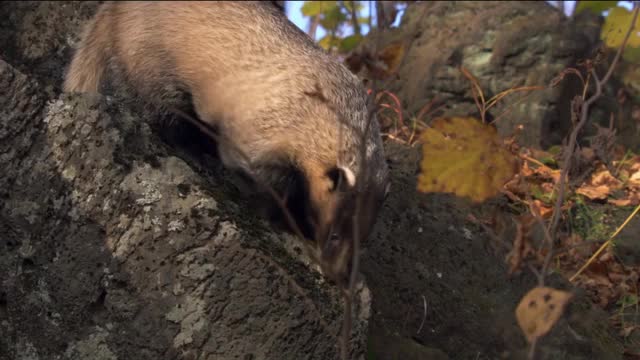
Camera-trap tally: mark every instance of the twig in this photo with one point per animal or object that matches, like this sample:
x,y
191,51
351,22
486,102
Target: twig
x,y
355,261
529,158
568,156
584,115
313,26
548,239
605,245
279,201
354,18
424,315
532,349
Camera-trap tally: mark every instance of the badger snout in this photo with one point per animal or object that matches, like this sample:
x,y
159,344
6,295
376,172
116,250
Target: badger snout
x,y
336,258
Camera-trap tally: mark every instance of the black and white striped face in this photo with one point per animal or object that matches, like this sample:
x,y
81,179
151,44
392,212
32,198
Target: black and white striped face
x,y
354,206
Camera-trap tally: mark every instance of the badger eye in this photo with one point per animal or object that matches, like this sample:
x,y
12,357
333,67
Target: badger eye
x,y
342,179
334,176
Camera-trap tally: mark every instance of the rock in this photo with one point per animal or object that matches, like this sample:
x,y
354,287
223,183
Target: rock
x,y
37,37
425,251
504,45
105,254
116,245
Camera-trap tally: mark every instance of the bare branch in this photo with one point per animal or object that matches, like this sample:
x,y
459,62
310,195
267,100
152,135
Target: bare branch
x,y
354,18
313,26
279,201
355,261
583,112
584,115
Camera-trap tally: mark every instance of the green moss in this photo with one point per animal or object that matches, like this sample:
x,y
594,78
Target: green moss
x,y
589,221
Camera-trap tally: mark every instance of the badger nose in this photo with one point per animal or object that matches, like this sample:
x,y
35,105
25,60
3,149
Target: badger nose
x,y
331,245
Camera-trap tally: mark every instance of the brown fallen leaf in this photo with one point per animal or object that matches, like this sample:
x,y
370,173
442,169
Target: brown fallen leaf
x,y
543,210
634,179
604,177
392,56
539,310
631,199
600,185
546,172
600,192
526,170
521,245
380,65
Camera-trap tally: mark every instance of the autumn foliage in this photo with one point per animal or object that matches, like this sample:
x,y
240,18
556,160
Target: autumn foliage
x,y
465,157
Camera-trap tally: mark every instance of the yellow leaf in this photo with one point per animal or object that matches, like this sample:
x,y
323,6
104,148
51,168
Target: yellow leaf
x,y
465,157
616,26
539,310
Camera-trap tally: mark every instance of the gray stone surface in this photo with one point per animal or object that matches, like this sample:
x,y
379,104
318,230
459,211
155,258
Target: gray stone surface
x,y
504,44
113,248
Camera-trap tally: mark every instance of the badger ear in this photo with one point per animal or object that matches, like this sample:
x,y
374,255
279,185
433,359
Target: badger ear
x,y
342,178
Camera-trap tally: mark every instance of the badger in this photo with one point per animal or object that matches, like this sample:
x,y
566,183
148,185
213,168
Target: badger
x,y
282,105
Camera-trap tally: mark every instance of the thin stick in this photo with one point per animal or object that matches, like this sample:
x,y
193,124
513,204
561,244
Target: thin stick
x,y
424,315
355,261
280,202
548,240
584,112
568,156
605,245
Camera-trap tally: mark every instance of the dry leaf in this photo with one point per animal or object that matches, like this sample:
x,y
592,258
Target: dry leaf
x,y
600,186
594,192
548,173
604,177
544,211
526,170
392,56
634,179
539,310
620,202
519,250
465,157
380,65
522,243
632,199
